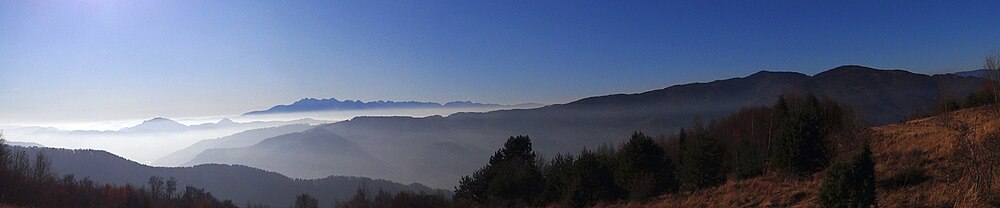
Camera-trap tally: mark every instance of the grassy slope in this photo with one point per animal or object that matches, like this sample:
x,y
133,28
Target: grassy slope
x,y
927,144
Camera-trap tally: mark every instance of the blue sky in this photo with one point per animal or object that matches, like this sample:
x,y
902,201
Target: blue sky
x,y
107,59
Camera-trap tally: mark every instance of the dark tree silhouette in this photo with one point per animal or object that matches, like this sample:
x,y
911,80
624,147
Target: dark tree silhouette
x,y
643,169
171,187
593,180
558,175
749,162
703,158
510,178
156,186
799,147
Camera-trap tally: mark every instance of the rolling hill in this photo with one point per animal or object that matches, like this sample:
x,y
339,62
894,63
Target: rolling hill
x,y
239,183
308,154
242,139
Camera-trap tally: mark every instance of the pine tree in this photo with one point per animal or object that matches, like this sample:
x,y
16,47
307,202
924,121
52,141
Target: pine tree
x,y
593,180
702,166
558,178
643,169
750,162
799,147
510,178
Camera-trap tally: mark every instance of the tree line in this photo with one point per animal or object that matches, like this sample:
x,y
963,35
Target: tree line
x,y
796,137
31,183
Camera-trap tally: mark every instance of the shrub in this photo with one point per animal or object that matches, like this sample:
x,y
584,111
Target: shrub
x,y
850,183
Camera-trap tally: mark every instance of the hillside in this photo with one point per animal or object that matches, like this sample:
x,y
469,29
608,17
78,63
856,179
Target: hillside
x,y
406,143
311,153
242,139
918,164
235,182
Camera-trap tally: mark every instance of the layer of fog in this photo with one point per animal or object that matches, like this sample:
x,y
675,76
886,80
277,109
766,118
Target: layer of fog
x,y
142,147
147,146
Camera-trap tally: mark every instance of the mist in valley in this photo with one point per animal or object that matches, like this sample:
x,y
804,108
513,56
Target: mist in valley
x,y
157,140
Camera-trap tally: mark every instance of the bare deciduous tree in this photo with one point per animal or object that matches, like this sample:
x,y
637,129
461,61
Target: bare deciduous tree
x,y
991,71
156,186
43,167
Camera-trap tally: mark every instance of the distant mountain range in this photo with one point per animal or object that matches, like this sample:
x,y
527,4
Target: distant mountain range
x,y
241,184
438,150
332,104
160,124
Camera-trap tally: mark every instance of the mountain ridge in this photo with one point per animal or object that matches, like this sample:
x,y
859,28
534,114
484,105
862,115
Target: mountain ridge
x,y
332,104
972,73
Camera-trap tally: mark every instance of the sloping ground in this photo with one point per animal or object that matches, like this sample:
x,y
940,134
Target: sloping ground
x,y
934,146
764,191
918,164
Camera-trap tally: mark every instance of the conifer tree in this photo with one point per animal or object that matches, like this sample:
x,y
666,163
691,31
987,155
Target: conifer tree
x,y
799,147
750,163
643,169
510,178
593,180
702,166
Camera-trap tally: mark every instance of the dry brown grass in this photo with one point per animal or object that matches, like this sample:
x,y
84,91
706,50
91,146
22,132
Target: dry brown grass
x,y
765,191
928,147
935,146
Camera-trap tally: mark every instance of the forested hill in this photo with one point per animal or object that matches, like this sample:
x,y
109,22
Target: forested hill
x,y
241,184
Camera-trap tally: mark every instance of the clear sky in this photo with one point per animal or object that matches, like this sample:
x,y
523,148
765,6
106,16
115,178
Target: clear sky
x,y
109,59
